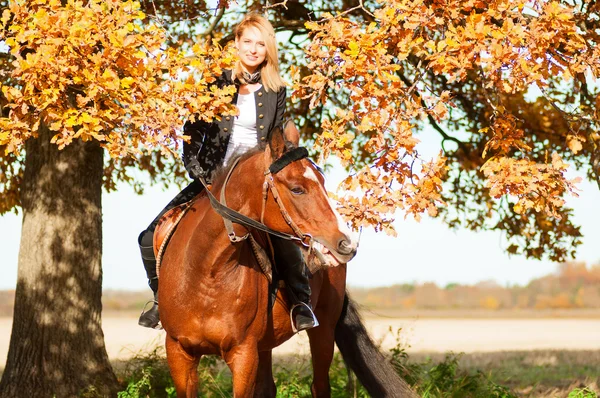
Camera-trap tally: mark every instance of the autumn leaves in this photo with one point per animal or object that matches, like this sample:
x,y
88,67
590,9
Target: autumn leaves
x,y
509,87
99,71
407,65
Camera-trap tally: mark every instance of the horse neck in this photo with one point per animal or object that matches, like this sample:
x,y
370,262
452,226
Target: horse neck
x,y
243,194
243,191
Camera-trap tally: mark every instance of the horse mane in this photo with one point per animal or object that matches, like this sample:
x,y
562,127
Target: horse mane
x,y
221,172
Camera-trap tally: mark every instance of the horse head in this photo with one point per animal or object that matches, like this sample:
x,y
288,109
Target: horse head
x,y
298,187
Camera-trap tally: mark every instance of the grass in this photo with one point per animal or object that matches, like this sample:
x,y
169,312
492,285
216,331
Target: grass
x,y
551,373
148,376
569,374
538,373
543,373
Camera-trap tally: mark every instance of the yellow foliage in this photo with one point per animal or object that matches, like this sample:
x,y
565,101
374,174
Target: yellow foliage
x,y
93,71
409,302
560,301
380,68
103,70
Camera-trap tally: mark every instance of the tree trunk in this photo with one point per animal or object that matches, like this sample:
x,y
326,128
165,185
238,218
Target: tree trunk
x,y
57,344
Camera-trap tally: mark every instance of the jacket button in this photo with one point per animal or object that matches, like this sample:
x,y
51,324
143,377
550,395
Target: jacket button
x,y
228,118
260,104
261,116
262,127
260,93
225,129
262,138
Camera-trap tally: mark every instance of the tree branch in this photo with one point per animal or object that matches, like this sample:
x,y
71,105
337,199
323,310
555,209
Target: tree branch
x,y
215,22
431,119
283,4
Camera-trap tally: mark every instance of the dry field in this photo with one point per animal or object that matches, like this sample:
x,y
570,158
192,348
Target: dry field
x,y
534,357
124,338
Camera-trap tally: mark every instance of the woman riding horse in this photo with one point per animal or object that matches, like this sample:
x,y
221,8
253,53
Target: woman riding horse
x,y
214,290
260,99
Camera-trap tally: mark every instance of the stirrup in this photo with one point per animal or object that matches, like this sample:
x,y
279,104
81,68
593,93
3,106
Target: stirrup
x,y
301,303
144,311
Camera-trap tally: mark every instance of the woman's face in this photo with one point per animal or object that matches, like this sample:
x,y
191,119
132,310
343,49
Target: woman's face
x,y
252,48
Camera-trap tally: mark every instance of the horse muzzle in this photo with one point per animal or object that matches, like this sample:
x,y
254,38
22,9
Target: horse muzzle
x,y
342,252
345,250
347,247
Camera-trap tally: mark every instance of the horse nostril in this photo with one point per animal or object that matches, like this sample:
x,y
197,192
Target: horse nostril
x,y
344,247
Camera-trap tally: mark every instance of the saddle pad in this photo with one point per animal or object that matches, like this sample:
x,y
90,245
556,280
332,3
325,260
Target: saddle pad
x,y
165,228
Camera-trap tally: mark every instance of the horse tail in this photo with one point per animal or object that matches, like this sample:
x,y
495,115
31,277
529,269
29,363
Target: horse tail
x,y
372,368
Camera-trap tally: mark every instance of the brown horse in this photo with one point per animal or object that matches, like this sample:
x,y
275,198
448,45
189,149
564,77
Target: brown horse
x,y
214,298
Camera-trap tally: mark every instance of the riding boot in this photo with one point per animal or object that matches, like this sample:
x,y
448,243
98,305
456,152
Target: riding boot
x,y
295,274
150,318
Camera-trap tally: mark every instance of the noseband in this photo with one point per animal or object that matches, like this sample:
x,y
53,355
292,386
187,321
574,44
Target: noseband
x,y
231,216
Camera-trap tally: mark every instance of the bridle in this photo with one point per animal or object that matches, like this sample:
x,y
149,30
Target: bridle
x,y
231,216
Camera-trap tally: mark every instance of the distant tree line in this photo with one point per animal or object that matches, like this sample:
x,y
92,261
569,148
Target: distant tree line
x,y
574,285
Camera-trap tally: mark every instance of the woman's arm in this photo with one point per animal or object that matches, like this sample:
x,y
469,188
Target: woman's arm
x,y
196,131
280,111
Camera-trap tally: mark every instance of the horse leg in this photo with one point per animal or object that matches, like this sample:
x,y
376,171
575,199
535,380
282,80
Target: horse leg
x,y
329,285
265,385
184,369
243,362
322,340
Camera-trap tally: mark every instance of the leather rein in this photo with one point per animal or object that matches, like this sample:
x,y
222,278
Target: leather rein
x,y
231,216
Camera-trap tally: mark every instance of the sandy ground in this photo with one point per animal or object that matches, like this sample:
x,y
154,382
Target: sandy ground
x,y
124,338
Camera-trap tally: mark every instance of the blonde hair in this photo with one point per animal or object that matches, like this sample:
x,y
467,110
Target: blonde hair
x,y
269,69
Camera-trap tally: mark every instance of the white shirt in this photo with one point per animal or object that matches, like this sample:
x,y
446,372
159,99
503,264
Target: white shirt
x,y
244,136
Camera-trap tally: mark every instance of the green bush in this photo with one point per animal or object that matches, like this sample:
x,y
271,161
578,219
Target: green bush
x,y
445,379
148,377
585,392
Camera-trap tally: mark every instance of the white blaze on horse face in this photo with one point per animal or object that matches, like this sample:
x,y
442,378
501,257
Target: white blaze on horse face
x,y
310,174
342,225
344,249
350,239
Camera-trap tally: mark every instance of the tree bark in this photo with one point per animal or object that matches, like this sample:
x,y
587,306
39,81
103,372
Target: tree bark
x,y
57,344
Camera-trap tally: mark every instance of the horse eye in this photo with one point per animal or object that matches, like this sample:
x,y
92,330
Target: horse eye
x,y
297,190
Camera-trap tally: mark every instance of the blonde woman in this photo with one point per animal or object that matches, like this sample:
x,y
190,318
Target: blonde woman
x,y
260,98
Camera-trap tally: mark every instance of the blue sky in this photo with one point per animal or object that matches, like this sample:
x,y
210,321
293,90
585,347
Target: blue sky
x,y
425,251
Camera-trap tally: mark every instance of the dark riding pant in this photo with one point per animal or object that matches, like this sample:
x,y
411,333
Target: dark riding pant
x,y
290,263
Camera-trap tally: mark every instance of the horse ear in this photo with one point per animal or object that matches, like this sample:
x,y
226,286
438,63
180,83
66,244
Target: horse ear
x,y
291,133
276,146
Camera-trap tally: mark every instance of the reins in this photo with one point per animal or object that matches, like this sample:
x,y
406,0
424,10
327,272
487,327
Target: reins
x,y
231,216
